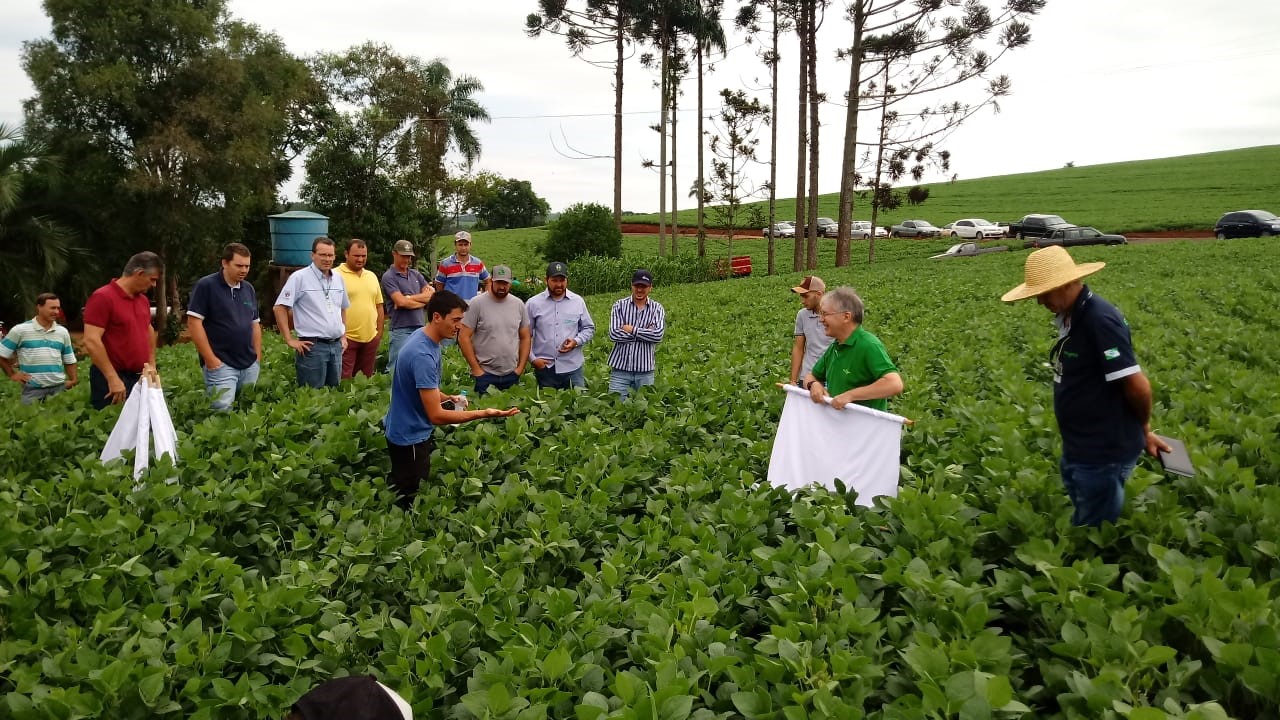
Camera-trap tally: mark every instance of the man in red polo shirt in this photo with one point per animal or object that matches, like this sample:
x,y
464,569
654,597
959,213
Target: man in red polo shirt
x,y
117,330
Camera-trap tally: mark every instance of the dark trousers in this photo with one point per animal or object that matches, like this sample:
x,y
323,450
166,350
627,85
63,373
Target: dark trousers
x,y
410,465
98,386
359,357
499,382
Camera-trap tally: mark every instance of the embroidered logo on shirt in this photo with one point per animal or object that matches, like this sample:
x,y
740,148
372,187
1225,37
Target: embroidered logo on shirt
x,y
1111,353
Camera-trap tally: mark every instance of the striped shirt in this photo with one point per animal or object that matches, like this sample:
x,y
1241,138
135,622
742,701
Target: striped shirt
x,y
462,279
633,351
41,353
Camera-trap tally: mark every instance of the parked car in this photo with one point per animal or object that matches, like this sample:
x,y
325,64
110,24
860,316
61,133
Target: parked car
x,y
863,229
1070,236
972,229
914,228
780,229
828,227
1247,223
1033,226
968,249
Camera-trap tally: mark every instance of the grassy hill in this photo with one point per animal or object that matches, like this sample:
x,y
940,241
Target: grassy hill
x,y
1178,193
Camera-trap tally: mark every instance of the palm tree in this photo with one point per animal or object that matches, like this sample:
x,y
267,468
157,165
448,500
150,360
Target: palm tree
x,y
444,122
36,251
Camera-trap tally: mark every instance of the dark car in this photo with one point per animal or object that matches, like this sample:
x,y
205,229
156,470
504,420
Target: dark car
x,y
1070,236
1036,226
1247,223
828,227
914,229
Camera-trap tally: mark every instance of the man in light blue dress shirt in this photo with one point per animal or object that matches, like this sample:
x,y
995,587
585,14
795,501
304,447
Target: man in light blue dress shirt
x,y
560,325
317,300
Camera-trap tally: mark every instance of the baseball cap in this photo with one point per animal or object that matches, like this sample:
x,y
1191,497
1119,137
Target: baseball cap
x,y
642,277
404,247
557,269
462,236
502,273
810,284
356,697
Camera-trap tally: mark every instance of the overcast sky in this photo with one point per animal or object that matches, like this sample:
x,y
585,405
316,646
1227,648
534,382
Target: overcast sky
x,y
1101,81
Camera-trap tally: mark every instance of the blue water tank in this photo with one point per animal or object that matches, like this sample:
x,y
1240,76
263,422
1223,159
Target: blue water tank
x,y
292,234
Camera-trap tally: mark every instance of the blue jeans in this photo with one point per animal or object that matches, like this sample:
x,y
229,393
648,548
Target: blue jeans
x,y
501,382
321,366
398,338
1096,490
622,382
226,381
38,394
549,378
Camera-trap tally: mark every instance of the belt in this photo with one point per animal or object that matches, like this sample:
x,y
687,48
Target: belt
x,y
319,339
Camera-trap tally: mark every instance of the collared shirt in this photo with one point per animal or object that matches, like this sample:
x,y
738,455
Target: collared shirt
x,y
417,368
317,301
634,351
365,293
1093,351
858,361
462,279
41,353
229,313
552,322
125,323
410,282
495,326
816,339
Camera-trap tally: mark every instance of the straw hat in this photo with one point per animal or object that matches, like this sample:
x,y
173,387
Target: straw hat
x,y
1049,269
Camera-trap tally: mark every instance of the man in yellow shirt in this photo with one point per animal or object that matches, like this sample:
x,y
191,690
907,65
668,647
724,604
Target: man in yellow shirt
x,y
365,316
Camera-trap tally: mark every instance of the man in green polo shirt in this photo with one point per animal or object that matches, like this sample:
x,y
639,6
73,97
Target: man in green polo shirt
x,y
855,368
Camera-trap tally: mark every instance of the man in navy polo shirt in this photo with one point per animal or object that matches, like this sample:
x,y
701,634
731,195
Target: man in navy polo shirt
x,y
406,292
1101,397
222,319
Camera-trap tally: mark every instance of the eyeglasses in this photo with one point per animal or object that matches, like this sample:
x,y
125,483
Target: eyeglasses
x,y
832,312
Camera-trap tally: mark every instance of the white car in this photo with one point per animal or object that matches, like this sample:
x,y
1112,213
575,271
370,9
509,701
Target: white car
x,y
780,229
976,229
862,229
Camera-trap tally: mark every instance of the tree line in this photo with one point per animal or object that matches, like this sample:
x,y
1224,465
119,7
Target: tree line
x,y
171,127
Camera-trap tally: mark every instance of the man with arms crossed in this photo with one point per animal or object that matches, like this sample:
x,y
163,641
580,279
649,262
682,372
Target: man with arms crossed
x,y
560,325
495,336
41,348
117,330
1101,397
223,322
366,315
856,367
811,338
407,292
317,300
417,403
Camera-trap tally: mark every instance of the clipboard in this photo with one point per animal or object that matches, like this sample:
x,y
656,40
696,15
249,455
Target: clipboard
x,y
1176,461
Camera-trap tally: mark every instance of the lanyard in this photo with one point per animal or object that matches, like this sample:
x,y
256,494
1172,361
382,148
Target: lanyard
x,y
324,287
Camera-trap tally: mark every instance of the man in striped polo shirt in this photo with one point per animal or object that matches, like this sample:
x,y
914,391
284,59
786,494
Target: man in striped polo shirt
x,y
462,273
46,363
636,326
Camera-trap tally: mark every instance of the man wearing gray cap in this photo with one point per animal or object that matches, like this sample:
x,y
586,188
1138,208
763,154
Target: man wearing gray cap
x,y
560,326
406,291
636,326
494,337
462,273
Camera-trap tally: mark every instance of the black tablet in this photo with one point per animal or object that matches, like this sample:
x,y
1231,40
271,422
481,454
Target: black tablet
x,y
1176,461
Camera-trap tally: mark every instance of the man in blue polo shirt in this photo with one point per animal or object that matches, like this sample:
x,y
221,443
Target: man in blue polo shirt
x,y
317,299
418,405
1101,397
223,322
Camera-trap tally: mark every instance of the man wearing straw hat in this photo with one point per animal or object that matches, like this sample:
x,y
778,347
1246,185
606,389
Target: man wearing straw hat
x,y
1101,397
